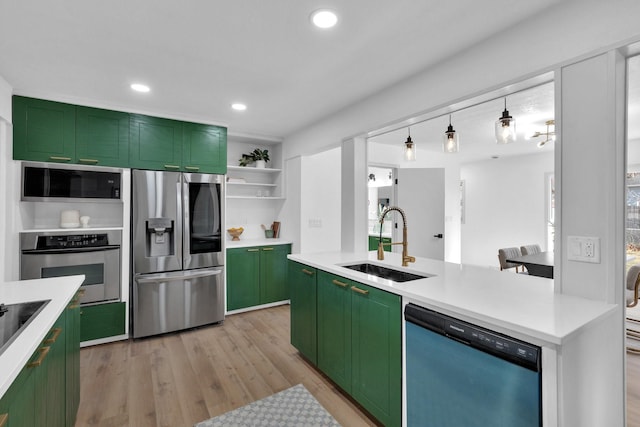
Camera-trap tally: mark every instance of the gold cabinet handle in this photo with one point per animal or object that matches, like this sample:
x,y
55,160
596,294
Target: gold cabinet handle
x,y
43,353
253,250
60,159
192,168
3,419
267,249
81,292
339,283
358,290
171,167
54,337
307,272
89,160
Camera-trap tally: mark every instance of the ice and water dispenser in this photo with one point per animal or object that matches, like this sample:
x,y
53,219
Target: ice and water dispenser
x,y
160,237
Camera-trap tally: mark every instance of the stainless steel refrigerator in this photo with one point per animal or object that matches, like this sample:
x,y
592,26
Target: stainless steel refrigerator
x,y
177,251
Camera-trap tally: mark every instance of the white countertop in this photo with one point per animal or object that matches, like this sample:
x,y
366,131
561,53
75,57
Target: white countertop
x,y
255,242
60,291
523,306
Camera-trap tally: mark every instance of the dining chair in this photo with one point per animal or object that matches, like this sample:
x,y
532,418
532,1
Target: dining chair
x,y
633,285
530,249
506,253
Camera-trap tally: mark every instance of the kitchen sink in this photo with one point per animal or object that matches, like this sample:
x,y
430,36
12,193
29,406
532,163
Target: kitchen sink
x,y
386,273
14,318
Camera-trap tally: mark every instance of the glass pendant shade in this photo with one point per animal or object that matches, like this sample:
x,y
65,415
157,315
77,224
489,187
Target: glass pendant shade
x,y
409,149
450,140
505,127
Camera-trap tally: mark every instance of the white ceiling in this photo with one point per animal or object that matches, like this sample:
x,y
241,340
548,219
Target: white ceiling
x,y
200,56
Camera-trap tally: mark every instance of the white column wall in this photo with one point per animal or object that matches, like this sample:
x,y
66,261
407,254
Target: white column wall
x,y
354,195
7,257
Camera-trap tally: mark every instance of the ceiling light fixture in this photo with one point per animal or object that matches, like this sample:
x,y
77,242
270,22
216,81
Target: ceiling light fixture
x,y
139,87
505,127
548,135
450,141
409,148
324,18
238,106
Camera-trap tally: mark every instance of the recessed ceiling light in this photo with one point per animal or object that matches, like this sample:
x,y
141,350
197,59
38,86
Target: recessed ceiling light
x,y
238,106
138,87
324,18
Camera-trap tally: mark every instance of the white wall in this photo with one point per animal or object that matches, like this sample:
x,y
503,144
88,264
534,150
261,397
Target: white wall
x,y
7,258
320,208
388,155
504,206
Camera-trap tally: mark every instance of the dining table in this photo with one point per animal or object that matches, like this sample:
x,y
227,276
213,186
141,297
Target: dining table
x,y
539,264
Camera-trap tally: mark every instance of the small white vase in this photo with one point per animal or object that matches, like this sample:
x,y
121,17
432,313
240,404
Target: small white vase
x,y
261,164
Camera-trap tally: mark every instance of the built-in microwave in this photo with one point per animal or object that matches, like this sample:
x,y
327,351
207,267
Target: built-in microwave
x,y
56,182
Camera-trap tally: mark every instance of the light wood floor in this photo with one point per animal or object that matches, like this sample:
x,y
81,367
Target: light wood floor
x,y
633,390
180,379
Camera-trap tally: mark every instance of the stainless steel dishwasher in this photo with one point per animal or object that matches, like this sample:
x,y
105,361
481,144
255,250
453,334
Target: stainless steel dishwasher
x,y
460,374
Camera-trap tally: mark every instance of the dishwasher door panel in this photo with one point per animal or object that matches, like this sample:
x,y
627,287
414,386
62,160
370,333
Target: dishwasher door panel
x,y
451,384
167,302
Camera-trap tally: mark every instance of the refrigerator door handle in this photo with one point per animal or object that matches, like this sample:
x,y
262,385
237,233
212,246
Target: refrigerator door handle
x,y
168,277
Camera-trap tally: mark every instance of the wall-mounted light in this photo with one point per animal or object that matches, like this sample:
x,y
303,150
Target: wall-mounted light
x,y
409,148
505,127
549,135
450,140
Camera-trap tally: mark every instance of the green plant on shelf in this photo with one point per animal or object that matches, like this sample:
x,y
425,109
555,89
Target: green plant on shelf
x,y
254,156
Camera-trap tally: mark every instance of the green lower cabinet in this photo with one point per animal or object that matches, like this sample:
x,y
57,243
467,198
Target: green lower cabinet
x,y
376,326
243,278
303,291
39,395
73,360
334,328
256,275
102,321
359,337
373,243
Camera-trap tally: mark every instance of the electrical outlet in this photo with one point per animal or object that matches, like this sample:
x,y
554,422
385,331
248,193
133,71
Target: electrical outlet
x,y
583,249
315,223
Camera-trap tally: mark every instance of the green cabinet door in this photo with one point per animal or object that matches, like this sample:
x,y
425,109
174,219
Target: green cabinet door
x,y
102,320
72,360
377,353
51,382
43,130
243,277
17,404
273,273
155,143
102,137
204,148
334,328
302,288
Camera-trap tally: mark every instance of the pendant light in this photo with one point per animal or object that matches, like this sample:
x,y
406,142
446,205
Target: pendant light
x,y
450,140
505,127
409,148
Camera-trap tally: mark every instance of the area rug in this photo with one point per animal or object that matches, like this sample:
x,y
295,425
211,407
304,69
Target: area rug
x,y
293,407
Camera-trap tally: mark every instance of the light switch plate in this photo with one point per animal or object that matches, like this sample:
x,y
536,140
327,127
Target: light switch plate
x,y
583,249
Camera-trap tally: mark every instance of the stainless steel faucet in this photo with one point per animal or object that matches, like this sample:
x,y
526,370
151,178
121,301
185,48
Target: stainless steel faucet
x,y
406,258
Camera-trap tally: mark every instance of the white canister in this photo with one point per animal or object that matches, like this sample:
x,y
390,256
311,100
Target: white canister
x,y
70,218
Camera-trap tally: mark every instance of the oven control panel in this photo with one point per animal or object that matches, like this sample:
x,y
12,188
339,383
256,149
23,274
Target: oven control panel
x,y
72,241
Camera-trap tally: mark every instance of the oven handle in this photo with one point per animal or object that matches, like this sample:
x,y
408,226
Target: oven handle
x,y
164,277
69,251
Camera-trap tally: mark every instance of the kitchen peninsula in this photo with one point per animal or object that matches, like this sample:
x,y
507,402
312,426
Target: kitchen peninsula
x,y
570,331
54,328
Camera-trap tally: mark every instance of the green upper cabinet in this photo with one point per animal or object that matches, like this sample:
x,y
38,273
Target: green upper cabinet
x,y
102,137
204,148
155,143
43,130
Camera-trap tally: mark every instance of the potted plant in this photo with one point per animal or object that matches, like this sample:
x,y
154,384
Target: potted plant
x,y
257,156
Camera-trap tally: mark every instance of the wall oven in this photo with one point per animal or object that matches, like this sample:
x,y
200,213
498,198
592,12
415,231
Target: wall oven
x,y
96,255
